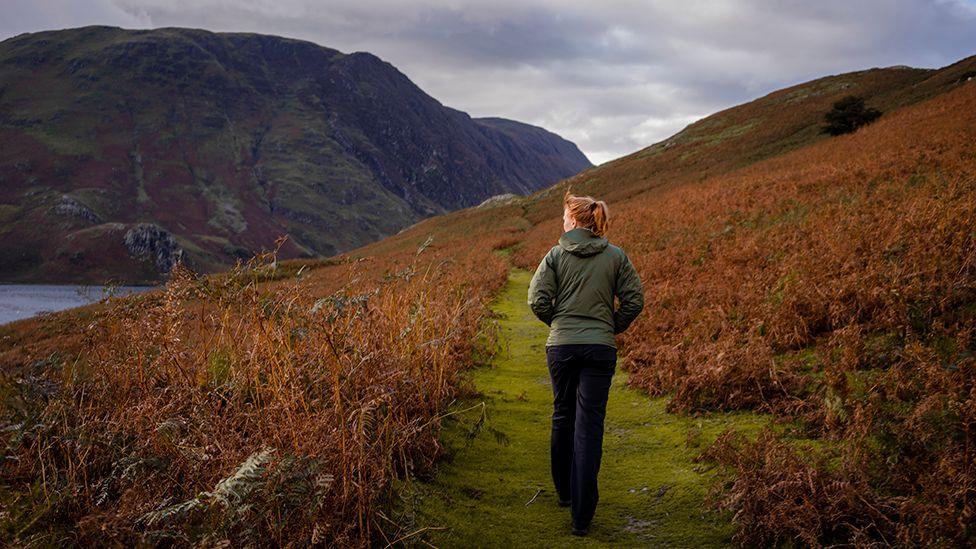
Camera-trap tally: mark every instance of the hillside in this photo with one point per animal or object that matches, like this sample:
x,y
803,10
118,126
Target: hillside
x,y
828,283
124,150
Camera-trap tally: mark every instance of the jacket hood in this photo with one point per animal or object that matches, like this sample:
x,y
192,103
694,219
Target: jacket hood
x,y
582,242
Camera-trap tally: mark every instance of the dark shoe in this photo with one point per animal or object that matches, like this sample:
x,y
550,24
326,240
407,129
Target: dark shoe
x,y
565,502
580,531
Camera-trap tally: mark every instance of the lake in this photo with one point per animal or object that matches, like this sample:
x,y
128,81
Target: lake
x,y
19,301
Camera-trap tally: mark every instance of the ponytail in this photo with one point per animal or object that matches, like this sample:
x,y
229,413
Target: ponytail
x,y
601,218
589,213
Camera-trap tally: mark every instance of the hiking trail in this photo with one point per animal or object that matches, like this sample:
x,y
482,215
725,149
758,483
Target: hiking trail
x,y
495,490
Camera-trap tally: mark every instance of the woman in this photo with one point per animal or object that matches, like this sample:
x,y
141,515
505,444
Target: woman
x,y
573,292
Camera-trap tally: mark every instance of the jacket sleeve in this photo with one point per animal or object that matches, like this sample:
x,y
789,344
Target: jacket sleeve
x,y
542,289
629,290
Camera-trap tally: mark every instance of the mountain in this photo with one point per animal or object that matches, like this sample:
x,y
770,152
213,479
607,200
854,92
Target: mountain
x,y
122,151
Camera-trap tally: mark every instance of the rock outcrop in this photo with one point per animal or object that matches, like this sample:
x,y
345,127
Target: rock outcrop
x,y
148,241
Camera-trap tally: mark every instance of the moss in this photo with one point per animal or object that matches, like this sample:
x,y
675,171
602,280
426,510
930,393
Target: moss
x,y
218,367
777,293
707,133
815,89
734,130
8,212
506,251
651,490
653,150
806,360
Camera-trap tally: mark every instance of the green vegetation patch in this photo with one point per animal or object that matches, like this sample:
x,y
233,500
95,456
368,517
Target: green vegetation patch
x,y
815,89
653,150
8,212
61,142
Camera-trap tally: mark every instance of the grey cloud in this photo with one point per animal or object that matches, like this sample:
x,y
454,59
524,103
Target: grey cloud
x,y
34,15
611,76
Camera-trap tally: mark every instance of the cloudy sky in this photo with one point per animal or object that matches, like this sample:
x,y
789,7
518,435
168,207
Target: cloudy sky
x,y
612,76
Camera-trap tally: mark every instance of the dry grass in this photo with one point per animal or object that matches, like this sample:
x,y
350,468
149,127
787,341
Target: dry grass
x,y
306,404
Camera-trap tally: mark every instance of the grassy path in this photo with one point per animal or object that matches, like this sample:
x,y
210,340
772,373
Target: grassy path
x,y
651,492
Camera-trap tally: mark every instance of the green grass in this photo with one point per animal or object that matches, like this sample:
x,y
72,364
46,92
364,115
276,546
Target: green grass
x,y
651,490
815,89
61,141
8,212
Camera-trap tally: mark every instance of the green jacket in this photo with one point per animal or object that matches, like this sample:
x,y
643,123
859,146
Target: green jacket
x,y
573,289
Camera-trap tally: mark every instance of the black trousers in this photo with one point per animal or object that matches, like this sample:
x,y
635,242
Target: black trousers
x,y
581,376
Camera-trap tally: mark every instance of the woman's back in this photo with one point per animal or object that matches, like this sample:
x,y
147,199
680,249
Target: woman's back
x,y
573,290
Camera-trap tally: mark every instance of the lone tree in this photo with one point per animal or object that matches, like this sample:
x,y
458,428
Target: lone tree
x,y
848,115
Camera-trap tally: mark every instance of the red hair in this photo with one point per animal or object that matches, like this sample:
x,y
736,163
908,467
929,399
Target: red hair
x,y
589,213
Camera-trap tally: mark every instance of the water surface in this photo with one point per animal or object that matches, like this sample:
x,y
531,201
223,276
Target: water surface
x,y
19,301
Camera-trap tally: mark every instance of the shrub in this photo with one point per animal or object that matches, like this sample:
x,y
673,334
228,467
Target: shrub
x,y
848,115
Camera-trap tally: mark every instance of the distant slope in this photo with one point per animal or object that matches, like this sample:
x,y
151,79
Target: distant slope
x,y
776,123
542,151
124,150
